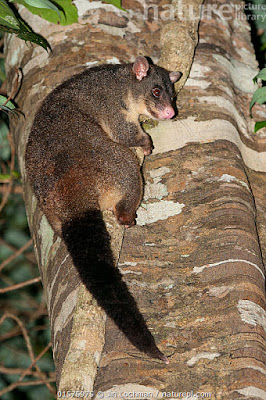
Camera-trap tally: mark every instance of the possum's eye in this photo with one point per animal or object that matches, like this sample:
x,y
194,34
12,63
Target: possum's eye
x,y
156,92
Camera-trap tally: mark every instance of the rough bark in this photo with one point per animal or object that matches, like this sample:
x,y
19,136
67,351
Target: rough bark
x,y
194,260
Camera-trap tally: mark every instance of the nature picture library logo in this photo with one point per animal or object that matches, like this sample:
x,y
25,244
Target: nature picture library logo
x,y
183,11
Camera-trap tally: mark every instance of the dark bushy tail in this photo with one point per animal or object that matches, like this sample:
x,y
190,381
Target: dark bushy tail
x,y
88,243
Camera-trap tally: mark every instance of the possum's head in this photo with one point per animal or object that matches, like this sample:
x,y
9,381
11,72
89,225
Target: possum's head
x,y
154,89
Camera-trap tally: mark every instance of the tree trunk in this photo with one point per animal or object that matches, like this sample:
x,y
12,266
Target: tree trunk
x,y
193,262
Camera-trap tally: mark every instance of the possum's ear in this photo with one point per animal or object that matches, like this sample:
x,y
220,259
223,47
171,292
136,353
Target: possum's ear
x,y
140,67
175,76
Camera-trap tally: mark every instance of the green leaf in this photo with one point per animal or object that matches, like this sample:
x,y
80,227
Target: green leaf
x,y
261,75
7,17
9,104
259,125
9,107
2,71
258,97
67,11
12,175
25,33
43,4
116,3
28,35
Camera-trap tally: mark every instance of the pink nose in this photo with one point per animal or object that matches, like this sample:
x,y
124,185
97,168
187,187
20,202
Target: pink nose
x,y
168,112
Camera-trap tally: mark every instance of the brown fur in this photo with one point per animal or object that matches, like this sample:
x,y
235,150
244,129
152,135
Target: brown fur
x,y
79,164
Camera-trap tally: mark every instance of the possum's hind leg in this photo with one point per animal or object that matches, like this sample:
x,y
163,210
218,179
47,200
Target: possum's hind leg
x,y
125,186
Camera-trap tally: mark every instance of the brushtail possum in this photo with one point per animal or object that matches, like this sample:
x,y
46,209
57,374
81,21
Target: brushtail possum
x,y
79,164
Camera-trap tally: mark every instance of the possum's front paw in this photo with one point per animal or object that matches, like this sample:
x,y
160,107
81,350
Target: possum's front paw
x,y
146,143
147,150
